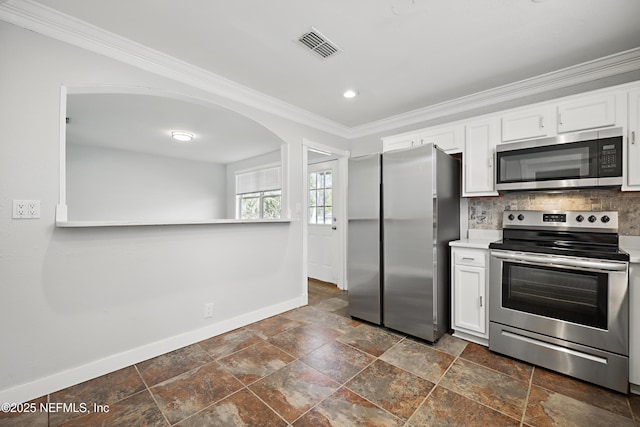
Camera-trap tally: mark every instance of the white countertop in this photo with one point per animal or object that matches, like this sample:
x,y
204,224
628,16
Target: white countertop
x,y
631,245
478,239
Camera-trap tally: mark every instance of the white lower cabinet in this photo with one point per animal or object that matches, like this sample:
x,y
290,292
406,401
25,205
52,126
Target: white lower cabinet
x,y
469,294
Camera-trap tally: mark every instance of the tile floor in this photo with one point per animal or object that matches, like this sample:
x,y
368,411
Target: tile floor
x,y
314,366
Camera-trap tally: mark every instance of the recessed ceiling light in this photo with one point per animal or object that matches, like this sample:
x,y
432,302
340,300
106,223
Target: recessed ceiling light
x,y
181,136
350,93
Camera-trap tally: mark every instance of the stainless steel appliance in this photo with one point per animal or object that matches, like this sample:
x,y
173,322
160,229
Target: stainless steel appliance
x,y
559,294
588,159
403,211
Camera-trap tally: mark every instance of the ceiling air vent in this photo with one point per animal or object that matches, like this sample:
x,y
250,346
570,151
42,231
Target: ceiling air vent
x,y
318,43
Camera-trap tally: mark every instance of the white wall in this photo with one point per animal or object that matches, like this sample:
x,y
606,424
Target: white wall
x,y
77,303
112,184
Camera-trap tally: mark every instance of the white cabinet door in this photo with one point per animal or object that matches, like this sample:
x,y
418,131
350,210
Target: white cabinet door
x,y
450,139
587,113
633,140
399,142
535,123
478,171
469,299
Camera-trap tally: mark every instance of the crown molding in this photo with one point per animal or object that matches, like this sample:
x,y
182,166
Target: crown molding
x,y
49,22
608,66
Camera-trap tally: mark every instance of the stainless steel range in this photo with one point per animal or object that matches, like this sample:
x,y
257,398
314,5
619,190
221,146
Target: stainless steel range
x,y
559,294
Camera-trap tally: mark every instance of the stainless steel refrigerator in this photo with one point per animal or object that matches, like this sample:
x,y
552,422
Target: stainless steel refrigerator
x,y
404,209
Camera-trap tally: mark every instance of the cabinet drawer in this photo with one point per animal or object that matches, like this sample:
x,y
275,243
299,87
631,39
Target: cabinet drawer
x,y
476,259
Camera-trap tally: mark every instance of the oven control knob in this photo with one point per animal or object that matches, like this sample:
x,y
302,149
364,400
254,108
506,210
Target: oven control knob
x,y
511,217
579,218
605,219
592,218
520,217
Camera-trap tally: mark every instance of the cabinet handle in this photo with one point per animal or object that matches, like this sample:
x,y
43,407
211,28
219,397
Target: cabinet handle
x,y
468,259
633,137
490,161
560,119
480,301
541,122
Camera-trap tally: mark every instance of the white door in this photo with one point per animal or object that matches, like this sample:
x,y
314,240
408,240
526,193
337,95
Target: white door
x,y
323,219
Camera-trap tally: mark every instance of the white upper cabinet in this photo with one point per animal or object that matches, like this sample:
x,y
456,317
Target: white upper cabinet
x,y
478,169
449,138
587,113
633,141
398,142
525,124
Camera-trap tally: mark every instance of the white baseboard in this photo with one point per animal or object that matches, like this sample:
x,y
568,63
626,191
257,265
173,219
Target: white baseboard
x,y
67,378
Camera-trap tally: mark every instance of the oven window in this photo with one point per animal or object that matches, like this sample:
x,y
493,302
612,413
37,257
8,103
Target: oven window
x,y
570,295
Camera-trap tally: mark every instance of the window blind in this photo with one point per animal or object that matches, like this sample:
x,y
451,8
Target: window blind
x,y
260,180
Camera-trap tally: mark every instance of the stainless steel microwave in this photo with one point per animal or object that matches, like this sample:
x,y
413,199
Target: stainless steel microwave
x,y
588,159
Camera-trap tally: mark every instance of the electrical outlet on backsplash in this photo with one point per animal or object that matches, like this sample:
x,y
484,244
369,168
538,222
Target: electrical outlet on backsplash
x,y
485,213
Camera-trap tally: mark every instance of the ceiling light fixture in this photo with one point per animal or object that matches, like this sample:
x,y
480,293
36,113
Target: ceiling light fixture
x,y
181,136
350,93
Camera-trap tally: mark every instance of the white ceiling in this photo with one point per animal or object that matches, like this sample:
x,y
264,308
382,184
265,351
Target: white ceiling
x,y
401,55
143,123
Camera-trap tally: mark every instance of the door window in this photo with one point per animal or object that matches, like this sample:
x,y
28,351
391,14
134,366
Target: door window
x,y
321,197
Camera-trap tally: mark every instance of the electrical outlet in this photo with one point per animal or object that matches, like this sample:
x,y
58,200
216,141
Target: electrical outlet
x,y
33,209
208,310
26,209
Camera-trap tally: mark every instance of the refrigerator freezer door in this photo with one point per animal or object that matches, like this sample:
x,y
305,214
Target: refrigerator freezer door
x,y
363,253
408,188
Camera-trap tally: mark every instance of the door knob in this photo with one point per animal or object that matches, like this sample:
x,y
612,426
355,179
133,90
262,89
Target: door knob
x,y
334,227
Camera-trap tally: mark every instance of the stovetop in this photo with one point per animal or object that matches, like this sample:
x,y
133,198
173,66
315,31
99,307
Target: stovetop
x,y
584,234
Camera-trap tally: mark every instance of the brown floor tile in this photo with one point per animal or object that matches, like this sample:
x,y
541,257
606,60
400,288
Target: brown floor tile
x,y
634,403
493,389
338,361
345,408
255,362
580,390
103,390
451,345
177,362
306,314
294,389
370,339
137,410
226,344
304,339
446,408
392,388
240,409
315,316
483,356
186,394
28,414
548,408
419,358
331,304
272,326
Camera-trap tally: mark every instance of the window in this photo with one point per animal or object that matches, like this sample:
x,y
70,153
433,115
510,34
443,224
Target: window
x,y
320,197
259,194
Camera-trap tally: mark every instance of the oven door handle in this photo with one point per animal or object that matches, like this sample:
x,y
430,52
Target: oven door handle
x,y
576,263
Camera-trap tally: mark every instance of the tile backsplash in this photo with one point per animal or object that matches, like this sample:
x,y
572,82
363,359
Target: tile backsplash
x,y
485,213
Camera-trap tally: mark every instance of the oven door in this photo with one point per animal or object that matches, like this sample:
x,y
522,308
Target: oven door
x,y
584,301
